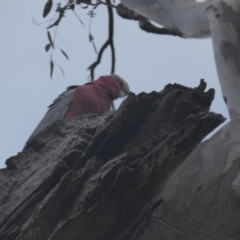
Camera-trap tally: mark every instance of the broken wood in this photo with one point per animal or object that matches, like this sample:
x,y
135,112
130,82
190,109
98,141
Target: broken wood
x,y
95,177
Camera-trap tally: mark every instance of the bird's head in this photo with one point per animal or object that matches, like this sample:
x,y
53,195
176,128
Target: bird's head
x,y
122,84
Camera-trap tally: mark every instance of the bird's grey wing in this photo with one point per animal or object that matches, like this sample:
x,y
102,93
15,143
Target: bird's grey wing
x,y
57,110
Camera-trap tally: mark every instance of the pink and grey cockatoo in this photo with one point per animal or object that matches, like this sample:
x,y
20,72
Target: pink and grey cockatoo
x,y
93,97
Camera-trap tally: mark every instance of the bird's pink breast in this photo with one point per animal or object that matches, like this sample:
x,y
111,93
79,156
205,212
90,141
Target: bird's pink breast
x,y
93,98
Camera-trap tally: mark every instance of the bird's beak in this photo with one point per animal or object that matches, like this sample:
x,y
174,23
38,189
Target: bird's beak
x,y
123,94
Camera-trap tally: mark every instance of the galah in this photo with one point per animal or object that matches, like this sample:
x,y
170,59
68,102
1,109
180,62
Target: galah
x,y
93,97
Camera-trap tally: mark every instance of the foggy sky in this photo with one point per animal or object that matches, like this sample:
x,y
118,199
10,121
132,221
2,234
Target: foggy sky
x,y
147,61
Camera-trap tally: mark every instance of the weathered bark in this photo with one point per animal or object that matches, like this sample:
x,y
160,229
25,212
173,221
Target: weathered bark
x,y
96,176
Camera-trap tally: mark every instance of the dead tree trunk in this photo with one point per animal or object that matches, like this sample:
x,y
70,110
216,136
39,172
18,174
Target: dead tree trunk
x,y
96,177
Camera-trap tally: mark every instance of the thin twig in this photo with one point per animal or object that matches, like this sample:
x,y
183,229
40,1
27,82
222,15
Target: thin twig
x,y
164,222
109,42
207,234
175,230
94,65
110,36
79,19
35,22
102,3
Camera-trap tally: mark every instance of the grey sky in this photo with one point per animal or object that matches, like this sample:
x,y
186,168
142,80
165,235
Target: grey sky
x,y
148,62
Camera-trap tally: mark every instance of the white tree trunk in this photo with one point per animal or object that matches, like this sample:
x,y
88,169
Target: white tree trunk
x,y
225,28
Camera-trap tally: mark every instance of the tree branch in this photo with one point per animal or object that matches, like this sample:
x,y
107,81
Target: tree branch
x,y
148,27
144,23
109,42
